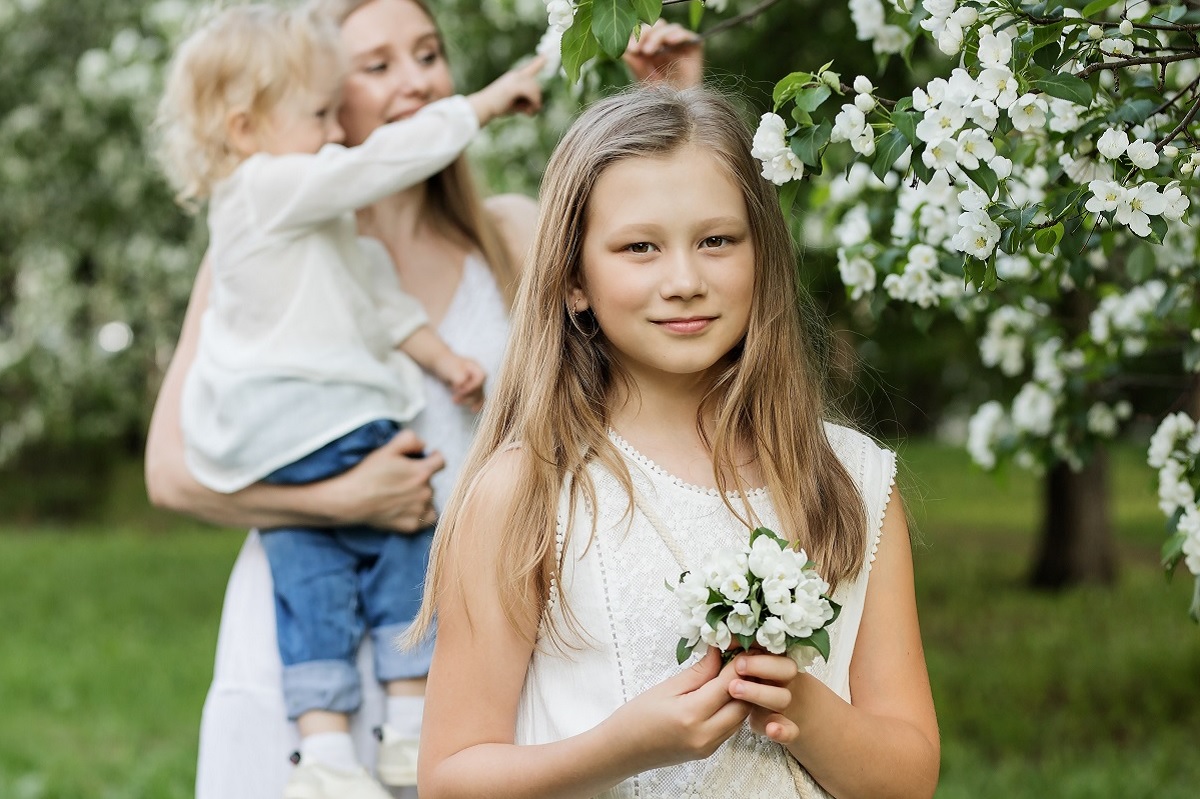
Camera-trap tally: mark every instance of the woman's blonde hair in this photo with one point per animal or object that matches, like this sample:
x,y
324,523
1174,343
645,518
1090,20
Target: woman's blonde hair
x,y
553,391
240,59
454,199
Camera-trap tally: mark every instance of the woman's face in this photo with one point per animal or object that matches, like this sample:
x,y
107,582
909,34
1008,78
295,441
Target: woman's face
x,y
396,66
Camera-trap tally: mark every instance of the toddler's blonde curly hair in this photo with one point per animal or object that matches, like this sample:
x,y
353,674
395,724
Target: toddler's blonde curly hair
x,y
240,59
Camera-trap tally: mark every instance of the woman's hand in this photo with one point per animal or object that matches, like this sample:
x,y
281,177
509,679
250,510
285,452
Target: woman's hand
x,y
685,717
390,488
766,682
666,51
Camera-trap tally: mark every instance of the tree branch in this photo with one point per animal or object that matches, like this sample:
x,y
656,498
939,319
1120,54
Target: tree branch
x,y
1182,126
740,19
1133,62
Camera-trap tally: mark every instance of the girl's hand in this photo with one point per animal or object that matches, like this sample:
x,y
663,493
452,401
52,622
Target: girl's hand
x,y
685,717
464,377
666,51
767,682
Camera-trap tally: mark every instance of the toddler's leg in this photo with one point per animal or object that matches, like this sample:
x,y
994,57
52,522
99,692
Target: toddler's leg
x,y
319,629
391,597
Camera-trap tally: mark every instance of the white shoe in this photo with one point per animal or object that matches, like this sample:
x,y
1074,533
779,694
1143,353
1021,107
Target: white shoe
x,y
319,781
397,760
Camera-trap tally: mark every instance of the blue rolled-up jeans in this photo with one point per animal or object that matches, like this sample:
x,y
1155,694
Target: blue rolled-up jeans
x,y
333,585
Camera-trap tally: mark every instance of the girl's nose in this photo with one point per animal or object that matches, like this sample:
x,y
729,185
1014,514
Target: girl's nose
x,y
682,278
411,79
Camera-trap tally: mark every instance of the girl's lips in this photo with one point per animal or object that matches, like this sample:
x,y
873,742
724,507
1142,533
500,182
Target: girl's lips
x,y
692,325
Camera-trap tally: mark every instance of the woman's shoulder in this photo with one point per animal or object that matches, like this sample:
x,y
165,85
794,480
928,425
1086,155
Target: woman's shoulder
x,y
515,216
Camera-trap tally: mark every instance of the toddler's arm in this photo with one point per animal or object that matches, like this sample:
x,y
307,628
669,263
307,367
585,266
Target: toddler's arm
x,y
515,90
463,376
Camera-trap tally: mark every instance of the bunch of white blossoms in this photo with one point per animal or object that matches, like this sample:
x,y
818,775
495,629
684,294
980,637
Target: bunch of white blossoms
x,y
1175,452
770,146
765,594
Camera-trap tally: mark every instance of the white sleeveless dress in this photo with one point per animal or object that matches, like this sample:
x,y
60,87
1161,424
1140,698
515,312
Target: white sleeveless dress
x,y
617,594
245,737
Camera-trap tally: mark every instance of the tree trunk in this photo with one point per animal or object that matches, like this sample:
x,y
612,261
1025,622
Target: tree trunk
x,y
1076,538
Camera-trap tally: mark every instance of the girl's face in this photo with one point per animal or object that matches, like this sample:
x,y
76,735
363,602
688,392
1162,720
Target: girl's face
x,y
668,264
396,66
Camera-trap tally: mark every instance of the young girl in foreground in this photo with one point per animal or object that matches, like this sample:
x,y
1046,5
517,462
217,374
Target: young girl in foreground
x,y
660,399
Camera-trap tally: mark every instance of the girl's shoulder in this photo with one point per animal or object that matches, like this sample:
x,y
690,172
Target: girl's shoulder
x,y
862,456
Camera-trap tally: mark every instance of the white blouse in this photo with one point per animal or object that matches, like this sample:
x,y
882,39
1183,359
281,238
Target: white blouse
x,y
616,588
298,344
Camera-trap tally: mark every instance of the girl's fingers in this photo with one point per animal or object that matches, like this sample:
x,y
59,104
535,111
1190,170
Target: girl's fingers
x,y
761,666
764,695
780,729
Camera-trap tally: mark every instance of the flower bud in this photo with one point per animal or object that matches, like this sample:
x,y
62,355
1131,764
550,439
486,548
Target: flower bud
x,y
863,85
864,103
1126,27
831,79
1187,168
1170,151
1095,32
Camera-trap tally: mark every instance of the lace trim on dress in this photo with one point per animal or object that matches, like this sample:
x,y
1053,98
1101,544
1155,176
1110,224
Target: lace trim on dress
x,y
877,533
632,454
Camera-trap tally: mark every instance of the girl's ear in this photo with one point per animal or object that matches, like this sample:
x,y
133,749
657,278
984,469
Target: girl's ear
x,y
242,133
577,301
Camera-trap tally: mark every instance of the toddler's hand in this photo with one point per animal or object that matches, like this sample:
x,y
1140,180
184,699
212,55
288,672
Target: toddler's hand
x,y
464,377
515,90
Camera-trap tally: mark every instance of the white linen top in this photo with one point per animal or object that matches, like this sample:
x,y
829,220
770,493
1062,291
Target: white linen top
x,y
245,736
298,344
616,592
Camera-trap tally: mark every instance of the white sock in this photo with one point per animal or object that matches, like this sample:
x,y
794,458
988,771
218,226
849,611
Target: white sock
x,y
335,749
404,715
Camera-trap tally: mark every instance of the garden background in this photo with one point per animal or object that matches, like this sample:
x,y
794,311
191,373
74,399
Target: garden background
x,y
111,606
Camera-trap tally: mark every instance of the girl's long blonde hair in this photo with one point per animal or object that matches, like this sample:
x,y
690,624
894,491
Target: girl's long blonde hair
x,y
454,200
553,391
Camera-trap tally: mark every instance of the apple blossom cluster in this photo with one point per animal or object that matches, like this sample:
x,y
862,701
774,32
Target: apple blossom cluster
x,y
1175,453
770,146
765,594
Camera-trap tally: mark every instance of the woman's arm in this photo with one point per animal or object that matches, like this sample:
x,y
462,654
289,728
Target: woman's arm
x,y
886,743
388,489
479,667
515,216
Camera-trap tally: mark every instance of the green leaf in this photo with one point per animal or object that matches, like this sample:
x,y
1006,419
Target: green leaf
x,y
811,97
820,639
789,86
683,651
888,148
787,196
648,10
808,142
1194,610
1158,229
1098,6
769,533
747,641
1172,551
1141,263
906,123
1066,86
695,14
985,178
716,614
1049,238
579,45
837,611
612,23
1135,112
917,163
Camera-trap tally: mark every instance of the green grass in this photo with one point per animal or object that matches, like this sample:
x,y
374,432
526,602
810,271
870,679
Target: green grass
x,y
110,627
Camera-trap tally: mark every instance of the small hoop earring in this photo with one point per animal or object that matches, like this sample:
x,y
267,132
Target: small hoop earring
x,y
574,315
